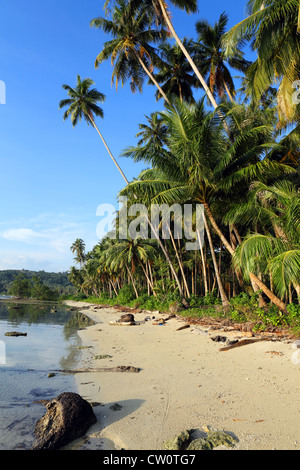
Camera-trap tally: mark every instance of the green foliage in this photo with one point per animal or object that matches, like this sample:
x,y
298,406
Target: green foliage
x,y
234,161
21,286
24,287
125,295
55,281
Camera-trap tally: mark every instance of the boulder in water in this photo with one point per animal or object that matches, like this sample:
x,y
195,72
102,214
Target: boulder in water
x,y
68,417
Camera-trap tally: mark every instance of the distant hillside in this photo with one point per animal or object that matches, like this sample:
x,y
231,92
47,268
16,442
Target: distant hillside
x,y
57,281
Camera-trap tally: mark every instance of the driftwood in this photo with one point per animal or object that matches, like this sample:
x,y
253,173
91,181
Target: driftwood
x,y
243,342
15,333
183,327
101,369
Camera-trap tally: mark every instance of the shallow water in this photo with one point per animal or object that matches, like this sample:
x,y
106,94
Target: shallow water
x,y
25,361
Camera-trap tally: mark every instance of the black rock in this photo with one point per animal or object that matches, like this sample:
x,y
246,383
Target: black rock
x,y
127,317
219,338
68,417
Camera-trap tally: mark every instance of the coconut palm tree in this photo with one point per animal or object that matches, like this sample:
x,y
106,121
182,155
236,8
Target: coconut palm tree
x,y
206,166
131,253
272,28
78,248
276,252
76,277
158,11
130,50
83,104
212,61
153,133
175,74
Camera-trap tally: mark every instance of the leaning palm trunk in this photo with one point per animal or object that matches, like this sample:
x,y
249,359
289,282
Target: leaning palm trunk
x,y
203,265
151,77
261,301
187,55
173,271
180,264
107,148
297,289
147,278
156,235
276,301
254,279
225,301
132,281
228,92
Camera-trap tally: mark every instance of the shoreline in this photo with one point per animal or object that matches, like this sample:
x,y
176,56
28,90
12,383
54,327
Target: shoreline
x,y
185,382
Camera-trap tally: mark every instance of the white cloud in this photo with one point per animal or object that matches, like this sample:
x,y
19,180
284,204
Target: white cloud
x,y
45,241
25,235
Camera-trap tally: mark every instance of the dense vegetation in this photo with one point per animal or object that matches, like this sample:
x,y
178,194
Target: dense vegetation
x,y
11,283
234,151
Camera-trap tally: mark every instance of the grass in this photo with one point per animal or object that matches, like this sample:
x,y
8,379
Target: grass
x,y
243,308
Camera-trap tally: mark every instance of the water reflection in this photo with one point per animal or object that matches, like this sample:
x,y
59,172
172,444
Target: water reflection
x,y
51,343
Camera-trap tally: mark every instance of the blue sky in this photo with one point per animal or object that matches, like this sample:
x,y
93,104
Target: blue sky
x,y
54,177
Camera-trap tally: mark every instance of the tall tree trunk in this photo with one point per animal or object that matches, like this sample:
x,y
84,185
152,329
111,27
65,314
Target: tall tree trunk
x,y
253,278
145,68
132,281
113,286
228,92
107,148
217,229
127,182
191,62
147,277
224,299
180,263
187,55
173,271
297,289
261,300
203,264
150,272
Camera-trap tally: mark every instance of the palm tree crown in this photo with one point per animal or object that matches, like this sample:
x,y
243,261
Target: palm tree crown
x,y
82,102
212,59
175,73
130,49
272,28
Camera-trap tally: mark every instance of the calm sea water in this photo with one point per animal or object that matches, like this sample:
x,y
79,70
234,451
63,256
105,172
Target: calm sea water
x,y
25,361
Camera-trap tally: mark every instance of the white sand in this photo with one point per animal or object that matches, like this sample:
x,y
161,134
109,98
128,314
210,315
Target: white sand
x,y
252,391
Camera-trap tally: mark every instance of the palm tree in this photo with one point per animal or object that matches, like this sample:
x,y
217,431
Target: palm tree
x,y
175,73
130,48
212,59
205,166
272,27
83,103
153,133
78,248
77,279
276,252
131,253
158,11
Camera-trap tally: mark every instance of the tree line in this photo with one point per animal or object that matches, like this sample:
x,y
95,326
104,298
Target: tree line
x,y
11,279
234,151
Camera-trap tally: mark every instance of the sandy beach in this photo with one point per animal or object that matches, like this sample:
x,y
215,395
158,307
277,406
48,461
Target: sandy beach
x,y
185,382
